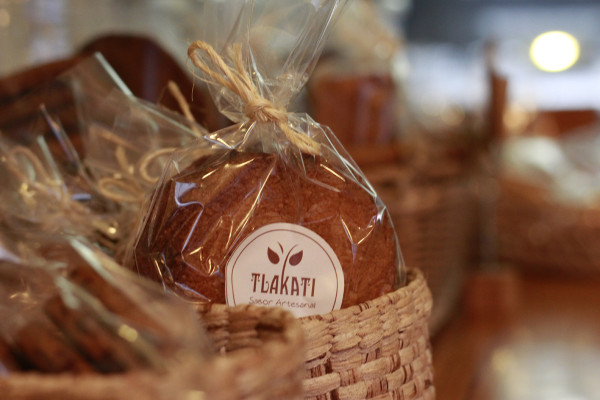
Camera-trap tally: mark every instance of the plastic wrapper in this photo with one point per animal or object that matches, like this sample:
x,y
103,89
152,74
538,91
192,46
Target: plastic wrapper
x,y
60,96
271,211
356,88
38,192
127,142
45,182
88,153
67,307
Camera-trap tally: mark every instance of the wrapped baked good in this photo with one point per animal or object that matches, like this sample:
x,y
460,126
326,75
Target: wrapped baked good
x,y
40,191
271,211
88,153
126,142
67,307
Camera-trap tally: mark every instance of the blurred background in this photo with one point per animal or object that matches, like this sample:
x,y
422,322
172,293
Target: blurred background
x,y
459,26
475,120
444,59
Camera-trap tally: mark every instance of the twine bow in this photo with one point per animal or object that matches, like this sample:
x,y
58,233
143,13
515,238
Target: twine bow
x,y
52,192
133,180
125,186
236,79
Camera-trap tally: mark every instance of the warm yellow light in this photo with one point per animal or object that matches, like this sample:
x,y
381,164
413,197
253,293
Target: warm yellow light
x,y
554,51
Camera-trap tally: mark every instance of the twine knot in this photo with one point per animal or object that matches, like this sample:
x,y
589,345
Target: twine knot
x,y
133,179
236,79
262,110
53,193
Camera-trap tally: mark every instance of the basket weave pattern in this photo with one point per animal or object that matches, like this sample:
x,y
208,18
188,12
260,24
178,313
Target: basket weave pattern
x,y
33,386
376,350
432,221
261,359
264,357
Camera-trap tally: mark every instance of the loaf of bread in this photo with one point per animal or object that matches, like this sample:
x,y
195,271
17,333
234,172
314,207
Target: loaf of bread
x,y
42,347
198,217
91,320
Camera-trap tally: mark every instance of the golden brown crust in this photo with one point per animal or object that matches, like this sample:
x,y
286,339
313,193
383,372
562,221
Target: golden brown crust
x,y
8,360
102,347
200,212
44,348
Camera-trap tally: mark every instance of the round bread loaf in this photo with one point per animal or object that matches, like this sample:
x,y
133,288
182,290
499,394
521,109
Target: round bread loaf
x,y
198,216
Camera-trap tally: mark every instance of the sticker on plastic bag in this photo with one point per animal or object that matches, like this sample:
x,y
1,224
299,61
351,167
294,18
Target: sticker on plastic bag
x,y
285,265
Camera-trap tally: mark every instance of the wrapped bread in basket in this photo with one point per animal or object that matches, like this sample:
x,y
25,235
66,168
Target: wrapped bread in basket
x,y
78,326
273,212
73,317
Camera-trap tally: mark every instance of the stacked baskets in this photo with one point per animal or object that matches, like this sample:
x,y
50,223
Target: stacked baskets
x,y
430,208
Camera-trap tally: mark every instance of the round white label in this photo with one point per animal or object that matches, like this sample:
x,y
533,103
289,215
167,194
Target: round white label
x,y
285,265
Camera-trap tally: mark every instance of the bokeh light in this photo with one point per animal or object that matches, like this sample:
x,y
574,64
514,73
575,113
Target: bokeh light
x,y
554,51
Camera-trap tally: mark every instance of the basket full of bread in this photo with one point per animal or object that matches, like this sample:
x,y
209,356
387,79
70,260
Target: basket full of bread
x,y
272,211
79,326
76,324
267,230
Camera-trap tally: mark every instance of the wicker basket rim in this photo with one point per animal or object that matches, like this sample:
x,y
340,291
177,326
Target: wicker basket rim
x,y
369,347
275,349
415,281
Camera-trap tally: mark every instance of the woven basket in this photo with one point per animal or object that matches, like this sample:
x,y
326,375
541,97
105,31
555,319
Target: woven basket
x,y
143,386
431,216
261,358
376,350
541,235
264,353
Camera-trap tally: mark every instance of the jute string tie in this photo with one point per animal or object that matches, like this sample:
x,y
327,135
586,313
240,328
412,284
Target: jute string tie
x,y
128,187
50,191
133,181
236,79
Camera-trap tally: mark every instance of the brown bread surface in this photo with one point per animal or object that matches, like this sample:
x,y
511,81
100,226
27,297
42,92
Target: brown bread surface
x,y
199,216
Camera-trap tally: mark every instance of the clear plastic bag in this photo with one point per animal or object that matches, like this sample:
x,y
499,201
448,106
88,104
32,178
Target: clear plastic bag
x,y
127,141
271,211
67,307
41,191
88,153
45,183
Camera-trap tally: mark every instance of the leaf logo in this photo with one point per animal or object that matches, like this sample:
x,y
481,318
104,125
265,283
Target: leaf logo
x,y
291,259
273,257
296,258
